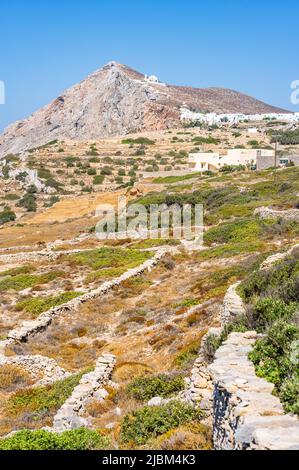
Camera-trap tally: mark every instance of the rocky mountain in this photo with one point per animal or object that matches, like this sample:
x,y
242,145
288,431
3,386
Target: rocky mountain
x,y
117,100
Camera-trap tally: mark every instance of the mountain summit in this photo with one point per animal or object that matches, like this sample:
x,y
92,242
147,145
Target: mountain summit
x,y
117,100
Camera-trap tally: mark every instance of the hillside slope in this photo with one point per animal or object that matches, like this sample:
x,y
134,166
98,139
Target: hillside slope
x,y
117,100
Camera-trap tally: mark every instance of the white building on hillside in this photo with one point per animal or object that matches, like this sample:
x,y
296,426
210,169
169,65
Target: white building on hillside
x,y
204,161
214,118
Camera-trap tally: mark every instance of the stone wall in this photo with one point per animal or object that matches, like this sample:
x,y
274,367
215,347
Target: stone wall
x,y
291,215
43,370
199,387
71,414
246,415
264,161
238,405
33,327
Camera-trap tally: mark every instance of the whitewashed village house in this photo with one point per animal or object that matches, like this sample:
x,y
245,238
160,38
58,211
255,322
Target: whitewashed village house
x,y
205,161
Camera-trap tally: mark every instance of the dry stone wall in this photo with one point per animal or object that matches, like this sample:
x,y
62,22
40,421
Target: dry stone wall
x,y
33,327
246,415
42,369
70,416
239,406
291,215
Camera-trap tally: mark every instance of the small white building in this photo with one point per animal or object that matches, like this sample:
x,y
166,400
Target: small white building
x,y
151,79
204,161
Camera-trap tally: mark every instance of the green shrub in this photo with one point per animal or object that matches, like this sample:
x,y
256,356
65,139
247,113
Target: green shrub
x,y
162,385
205,140
232,168
281,281
28,202
40,402
24,281
99,179
11,158
149,422
289,395
109,258
52,183
7,215
26,269
78,439
175,179
11,197
37,305
290,137
239,231
266,311
106,171
187,355
44,173
273,359
92,153
106,273
139,140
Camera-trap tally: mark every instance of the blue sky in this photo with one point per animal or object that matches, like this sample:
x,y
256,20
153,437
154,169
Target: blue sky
x,y
46,46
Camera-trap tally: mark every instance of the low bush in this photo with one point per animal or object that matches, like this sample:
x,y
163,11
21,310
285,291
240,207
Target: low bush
x,y
29,199
106,273
78,439
276,359
26,269
7,215
281,281
162,385
205,140
40,402
99,179
239,231
266,311
106,171
37,305
139,140
290,137
24,281
109,258
187,355
149,422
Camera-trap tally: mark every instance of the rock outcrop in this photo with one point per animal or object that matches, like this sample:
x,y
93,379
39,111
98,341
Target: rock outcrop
x,y
117,100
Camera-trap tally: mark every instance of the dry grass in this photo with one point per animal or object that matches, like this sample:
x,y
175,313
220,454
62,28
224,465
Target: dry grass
x,y
126,371
13,378
192,436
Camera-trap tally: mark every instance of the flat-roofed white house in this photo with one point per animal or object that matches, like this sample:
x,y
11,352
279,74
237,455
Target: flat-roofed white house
x,y
205,161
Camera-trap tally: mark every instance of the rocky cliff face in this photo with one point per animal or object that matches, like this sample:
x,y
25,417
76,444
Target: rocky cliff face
x,y
117,100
